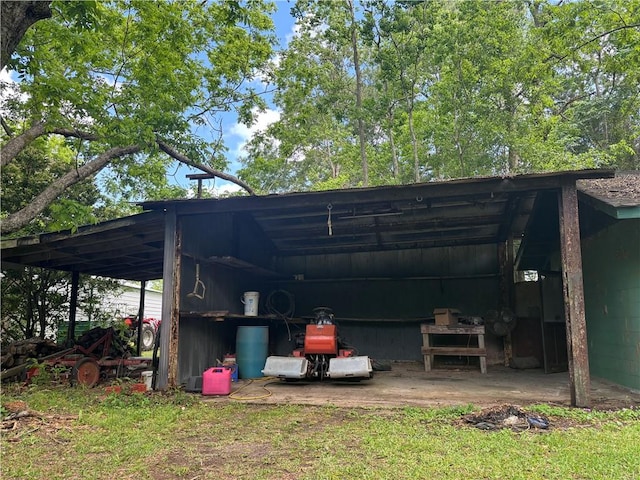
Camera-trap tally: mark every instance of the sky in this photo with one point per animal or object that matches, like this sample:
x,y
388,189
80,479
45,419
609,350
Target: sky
x,y
235,134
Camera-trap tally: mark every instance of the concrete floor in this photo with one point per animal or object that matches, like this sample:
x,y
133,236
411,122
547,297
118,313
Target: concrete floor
x,y
407,384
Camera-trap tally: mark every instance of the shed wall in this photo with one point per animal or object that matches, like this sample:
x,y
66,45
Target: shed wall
x,y
611,269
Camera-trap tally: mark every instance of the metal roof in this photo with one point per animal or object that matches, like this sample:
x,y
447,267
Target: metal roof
x,y
449,213
129,248
618,197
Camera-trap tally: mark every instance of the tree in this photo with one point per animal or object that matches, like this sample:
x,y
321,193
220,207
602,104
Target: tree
x,y
134,85
454,89
15,19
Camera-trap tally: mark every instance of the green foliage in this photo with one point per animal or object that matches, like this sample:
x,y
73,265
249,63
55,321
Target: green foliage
x,y
35,301
128,73
454,89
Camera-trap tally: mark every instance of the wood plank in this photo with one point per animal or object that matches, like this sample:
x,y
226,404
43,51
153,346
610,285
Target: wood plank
x,y
455,351
446,330
233,262
483,360
170,291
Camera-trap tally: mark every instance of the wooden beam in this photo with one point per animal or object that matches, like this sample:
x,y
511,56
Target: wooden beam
x,y
175,309
170,295
371,247
573,289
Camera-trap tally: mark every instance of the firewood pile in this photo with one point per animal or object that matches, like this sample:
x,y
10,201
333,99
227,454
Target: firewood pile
x,y
22,351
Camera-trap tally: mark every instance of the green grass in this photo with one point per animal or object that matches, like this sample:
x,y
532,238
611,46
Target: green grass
x,y
85,434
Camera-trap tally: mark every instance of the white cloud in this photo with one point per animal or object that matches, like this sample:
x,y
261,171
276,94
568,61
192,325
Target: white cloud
x,y
295,32
244,133
5,76
225,189
9,90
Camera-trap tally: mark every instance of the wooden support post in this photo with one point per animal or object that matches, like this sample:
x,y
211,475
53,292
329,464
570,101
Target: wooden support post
x,y
573,290
507,296
175,310
143,288
168,364
73,305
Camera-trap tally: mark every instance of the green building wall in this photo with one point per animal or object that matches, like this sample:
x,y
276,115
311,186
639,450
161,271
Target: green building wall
x,y
611,272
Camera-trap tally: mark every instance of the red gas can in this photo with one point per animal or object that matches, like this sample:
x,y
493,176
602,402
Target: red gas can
x,y
216,381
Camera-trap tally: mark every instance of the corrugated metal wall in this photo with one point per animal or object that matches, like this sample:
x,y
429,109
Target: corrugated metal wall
x,y
611,269
402,287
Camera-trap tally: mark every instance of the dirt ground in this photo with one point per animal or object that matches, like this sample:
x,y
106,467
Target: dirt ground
x,y
407,384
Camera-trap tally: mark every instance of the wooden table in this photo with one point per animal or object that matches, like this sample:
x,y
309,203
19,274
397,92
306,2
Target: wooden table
x,y
429,350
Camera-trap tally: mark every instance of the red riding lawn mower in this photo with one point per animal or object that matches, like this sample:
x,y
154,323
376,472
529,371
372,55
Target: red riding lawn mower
x,y
320,355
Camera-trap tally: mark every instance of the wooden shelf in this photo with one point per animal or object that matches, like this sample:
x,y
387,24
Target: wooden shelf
x,y
429,350
236,263
222,315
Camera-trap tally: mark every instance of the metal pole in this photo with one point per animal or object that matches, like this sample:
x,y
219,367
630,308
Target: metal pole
x,y
73,305
143,288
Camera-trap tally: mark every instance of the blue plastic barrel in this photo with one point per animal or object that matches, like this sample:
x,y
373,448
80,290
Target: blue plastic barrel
x,y
251,350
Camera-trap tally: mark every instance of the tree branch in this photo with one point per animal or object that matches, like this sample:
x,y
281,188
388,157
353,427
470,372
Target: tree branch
x,y
587,42
22,217
65,132
14,146
187,161
6,127
17,144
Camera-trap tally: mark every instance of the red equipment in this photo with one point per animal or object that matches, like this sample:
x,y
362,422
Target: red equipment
x,y
319,355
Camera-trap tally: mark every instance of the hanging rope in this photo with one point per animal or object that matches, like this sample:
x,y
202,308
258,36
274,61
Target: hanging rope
x,y
329,208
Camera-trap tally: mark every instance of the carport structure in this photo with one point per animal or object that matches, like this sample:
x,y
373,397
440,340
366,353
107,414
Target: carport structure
x,y
382,258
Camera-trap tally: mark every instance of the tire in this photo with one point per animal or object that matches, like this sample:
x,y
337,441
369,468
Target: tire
x,y
86,372
148,337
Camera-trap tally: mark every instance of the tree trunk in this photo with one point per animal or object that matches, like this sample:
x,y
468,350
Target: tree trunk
x,y
356,67
394,154
15,19
414,146
22,217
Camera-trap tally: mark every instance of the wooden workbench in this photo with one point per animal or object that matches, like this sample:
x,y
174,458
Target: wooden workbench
x,y
429,350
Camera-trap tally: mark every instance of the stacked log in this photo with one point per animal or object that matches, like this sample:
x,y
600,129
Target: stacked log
x,y
22,351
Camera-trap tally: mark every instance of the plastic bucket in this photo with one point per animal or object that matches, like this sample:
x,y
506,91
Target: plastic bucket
x,y
250,301
147,377
251,350
216,381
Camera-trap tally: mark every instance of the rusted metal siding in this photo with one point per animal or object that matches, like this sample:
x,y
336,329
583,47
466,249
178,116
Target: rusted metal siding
x,y
396,299
465,261
612,302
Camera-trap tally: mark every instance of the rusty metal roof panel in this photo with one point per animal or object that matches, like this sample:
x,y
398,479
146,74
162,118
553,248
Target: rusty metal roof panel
x,y
436,214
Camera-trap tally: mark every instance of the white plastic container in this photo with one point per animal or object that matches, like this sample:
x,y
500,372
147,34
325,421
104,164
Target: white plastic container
x,y
286,367
147,377
350,367
250,301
